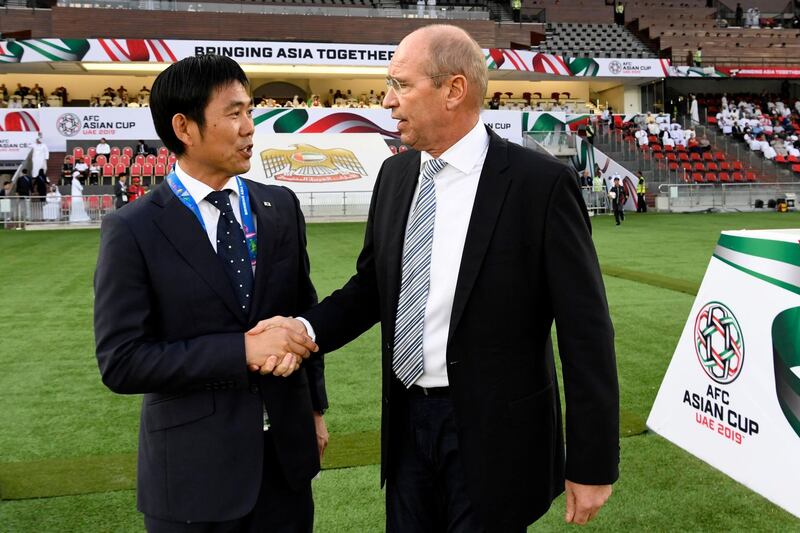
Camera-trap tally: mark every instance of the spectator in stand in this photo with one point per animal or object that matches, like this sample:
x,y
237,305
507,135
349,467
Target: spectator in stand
x,y
144,90
39,156
590,130
22,91
94,173
62,93
142,148
697,57
81,168
494,103
642,138
38,91
122,92
666,140
103,148
619,13
739,19
6,189
704,144
3,92
694,112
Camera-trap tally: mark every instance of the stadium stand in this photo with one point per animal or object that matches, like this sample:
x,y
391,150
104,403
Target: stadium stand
x,y
591,40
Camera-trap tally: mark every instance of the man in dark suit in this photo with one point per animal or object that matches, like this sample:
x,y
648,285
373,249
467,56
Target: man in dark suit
x,y
121,191
24,183
473,246
181,275
618,198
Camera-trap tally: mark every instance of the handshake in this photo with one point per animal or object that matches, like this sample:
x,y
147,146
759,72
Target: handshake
x,y
277,346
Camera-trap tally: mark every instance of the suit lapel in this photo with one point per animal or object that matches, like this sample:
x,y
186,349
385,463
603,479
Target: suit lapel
x,y
267,217
397,209
182,229
489,199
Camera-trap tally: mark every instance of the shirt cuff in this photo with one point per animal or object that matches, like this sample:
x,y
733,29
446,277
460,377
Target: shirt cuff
x,y
309,328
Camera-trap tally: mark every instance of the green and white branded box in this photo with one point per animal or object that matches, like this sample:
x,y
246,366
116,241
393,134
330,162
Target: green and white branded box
x,y
731,394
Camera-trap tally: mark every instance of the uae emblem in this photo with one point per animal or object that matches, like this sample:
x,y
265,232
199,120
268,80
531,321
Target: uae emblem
x,y
308,164
718,342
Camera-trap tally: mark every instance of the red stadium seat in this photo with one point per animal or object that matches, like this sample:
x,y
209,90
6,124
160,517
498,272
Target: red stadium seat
x,y
686,166
725,166
698,177
163,151
708,156
162,158
724,177
796,169
737,165
115,150
138,160
781,159
655,147
737,177
171,161
147,171
699,167
91,152
151,159
127,151
668,148
751,177
125,160
160,170
136,170
694,156
77,153
793,159
719,156
711,177
683,156
87,160
101,160
119,168
108,202
114,159
108,172
658,156
671,156
673,167
680,148
712,167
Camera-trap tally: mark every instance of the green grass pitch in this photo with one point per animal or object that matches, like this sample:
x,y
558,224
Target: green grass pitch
x,y
67,445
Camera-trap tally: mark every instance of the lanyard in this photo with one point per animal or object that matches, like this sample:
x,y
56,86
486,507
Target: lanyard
x,y
248,226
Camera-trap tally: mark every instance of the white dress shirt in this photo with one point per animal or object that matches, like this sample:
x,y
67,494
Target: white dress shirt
x,y
456,186
103,149
198,191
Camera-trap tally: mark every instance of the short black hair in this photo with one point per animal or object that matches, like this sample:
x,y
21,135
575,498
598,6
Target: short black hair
x,y
186,87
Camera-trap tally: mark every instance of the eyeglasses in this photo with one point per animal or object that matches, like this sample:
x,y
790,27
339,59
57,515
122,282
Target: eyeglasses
x,y
402,86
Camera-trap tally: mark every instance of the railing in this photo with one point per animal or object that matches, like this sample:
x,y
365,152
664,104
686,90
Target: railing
x,y
21,212
727,196
440,12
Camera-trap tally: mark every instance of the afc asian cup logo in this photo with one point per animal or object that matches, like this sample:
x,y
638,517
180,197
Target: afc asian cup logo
x,y
719,343
615,67
68,124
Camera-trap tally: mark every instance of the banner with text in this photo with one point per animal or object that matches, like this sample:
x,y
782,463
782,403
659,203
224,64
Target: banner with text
x,y
15,145
731,394
60,124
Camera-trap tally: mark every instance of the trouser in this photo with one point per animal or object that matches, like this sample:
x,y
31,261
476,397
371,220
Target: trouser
x,y
641,203
426,484
619,214
278,509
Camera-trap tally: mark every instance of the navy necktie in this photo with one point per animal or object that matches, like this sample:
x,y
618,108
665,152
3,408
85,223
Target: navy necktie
x,y
232,249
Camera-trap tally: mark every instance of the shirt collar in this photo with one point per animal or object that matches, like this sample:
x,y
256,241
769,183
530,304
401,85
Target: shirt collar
x,y
467,152
199,190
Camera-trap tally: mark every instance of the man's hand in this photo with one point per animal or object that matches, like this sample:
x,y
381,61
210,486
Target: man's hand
x,y
279,321
277,350
584,501
322,433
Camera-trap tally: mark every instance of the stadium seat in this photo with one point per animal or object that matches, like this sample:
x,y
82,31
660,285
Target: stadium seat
x,y
163,151
698,177
751,177
683,156
737,165
686,166
724,177
171,161
151,159
147,171
737,177
162,158
138,160
101,160
796,169
108,203
159,171
680,148
136,170
699,167
115,150
673,167
781,159
708,156
77,153
91,152
711,177
128,151
669,148
793,159
113,159
125,160
671,156
719,156
725,166
694,156
119,168
712,167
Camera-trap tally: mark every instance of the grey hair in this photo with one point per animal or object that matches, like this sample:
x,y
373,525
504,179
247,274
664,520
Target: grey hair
x,y
453,51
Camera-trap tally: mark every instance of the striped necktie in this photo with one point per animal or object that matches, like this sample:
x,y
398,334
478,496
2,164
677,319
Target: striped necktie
x,y
416,274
